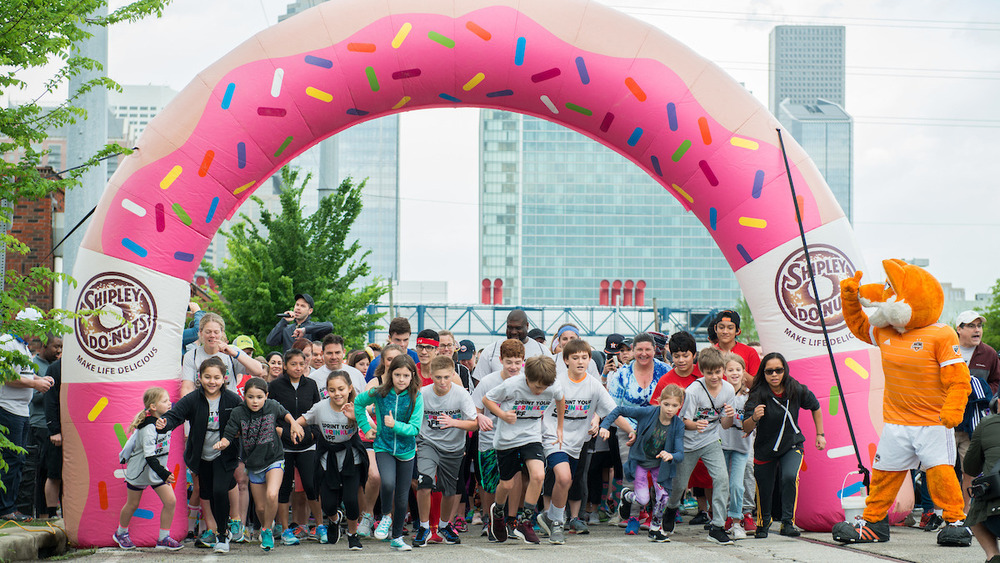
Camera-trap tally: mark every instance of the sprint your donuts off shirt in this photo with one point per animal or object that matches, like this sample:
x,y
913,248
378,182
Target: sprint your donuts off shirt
x,y
515,395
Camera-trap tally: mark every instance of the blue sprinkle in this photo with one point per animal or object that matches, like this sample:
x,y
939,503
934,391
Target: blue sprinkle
x,y
134,247
211,209
850,490
656,165
758,183
228,97
318,61
519,54
449,98
241,154
356,111
183,256
143,513
744,253
500,93
636,135
672,116
713,217
581,67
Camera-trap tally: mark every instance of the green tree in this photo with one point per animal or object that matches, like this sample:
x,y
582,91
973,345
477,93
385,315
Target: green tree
x,y
748,329
991,328
288,254
33,34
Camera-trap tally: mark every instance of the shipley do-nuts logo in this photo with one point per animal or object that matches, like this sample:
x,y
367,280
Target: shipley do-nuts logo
x,y
126,322
794,291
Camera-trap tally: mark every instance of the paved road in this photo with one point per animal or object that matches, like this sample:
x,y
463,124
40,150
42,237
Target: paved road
x,y
603,544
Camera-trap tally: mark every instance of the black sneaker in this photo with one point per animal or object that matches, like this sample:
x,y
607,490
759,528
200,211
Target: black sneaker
x,y
762,529
861,531
934,522
955,535
420,539
669,518
700,518
449,535
789,529
718,535
354,542
624,506
498,523
658,536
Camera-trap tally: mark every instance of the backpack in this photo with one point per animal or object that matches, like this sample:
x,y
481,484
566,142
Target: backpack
x,y
978,407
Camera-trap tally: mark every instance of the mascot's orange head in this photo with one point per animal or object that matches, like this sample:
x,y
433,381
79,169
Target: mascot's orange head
x,y
911,297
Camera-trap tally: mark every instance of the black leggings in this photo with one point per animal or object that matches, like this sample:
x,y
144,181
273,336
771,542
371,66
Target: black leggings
x,y
214,484
599,461
767,474
396,475
306,462
348,493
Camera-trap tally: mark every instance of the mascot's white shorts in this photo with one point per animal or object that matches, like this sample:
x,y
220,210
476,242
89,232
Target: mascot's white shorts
x,y
908,447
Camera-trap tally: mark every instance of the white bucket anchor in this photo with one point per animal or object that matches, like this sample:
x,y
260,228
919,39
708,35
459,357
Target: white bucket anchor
x,y
854,506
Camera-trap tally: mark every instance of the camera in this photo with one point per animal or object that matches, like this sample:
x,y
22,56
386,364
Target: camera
x,y
985,487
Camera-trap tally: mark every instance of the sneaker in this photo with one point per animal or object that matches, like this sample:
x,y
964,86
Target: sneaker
x,y
578,526
700,518
435,537
460,525
267,539
511,526
486,532
236,531
449,535
789,529
399,545
477,519
955,534
354,542
288,537
332,532
604,515
420,539
761,531
729,524
384,525
498,523
321,534
658,536
624,506
669,519
544,523
302,532
923,520
190,537
123,540
556,535
526,531
748,523
221,546
934,521
645,519
167,543
719,536
737,531
366,525
593,519
861,531
206,540
632,528
616,520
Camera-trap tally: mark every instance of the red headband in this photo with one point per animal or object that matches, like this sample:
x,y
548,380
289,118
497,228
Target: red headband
x,y
428,342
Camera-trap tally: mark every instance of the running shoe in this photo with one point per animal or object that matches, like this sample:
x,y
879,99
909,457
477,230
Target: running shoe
x,y
449,535
206,540
267,539
658,536
700,518
719,536
460,525
632,528
578,526
399,545
737,531
123,540
288,537
544,523
934,521
749,525
669,520
221,546
498,523
789,529
435,537
384,525
321,534
169,543
366,525
236,531
526,531
354,542
557,535
859,532
420,539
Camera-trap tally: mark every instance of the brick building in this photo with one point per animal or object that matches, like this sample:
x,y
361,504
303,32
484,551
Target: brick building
x,y
34,223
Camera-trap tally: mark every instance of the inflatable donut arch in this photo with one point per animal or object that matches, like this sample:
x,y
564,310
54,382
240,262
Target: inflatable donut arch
x,y
619,81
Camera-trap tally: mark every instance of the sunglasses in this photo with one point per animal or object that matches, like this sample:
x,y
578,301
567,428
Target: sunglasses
x,y
774,371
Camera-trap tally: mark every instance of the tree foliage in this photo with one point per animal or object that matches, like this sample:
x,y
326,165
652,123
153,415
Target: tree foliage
x,y
748,328
991,328
288,254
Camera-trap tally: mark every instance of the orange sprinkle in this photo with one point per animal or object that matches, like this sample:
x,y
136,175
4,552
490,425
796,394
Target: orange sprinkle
x,y
635,89
206,163
361,47
102,494
802,206
706,135
480,32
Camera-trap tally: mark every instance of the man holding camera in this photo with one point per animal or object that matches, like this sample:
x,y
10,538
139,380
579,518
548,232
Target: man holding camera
x,y
296,323
984,457
984,367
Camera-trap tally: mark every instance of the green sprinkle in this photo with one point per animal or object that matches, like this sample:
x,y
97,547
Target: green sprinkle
x,y
579,109
120,432
181,214
438,38
681,150
283,146
372,79
834,400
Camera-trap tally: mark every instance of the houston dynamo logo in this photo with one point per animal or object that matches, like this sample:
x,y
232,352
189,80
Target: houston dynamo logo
x,y
126,318
794,292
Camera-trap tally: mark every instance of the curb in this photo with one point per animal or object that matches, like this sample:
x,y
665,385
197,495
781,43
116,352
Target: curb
x,y
31,542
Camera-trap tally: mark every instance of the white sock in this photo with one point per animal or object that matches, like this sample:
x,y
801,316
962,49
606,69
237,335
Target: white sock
x,y
425,525
442,524
555,512
164,534
122,530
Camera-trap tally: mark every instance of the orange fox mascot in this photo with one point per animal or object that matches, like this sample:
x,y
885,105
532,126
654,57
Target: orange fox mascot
x,y
926,390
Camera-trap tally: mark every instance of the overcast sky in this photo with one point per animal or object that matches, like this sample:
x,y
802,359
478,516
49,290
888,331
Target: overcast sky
x,y
923,80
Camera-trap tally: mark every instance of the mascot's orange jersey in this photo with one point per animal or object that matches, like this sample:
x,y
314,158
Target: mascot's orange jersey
x,y
912,362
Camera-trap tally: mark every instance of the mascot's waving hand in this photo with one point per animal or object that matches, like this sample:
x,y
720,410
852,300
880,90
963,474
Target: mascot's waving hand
x,y
927,386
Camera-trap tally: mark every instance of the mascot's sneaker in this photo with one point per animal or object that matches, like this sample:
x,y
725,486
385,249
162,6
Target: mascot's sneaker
x,y
955,535
862,532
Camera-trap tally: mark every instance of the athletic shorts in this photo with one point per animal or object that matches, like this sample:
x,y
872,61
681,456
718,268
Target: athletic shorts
x,y
436,465
907,447
487,470
130,486
260,477
513,460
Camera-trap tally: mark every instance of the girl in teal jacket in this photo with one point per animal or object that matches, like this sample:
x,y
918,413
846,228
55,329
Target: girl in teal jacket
x,y
399,408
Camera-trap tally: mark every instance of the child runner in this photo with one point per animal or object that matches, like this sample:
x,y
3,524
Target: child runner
x,y
448,415
256,424
727,328
342,458
520,403
208,410
706,409
736,445
655,453
586,401
146,469
399,410
774,401
374,483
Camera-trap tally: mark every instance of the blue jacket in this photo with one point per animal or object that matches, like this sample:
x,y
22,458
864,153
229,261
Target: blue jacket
x,y
400,440
645,418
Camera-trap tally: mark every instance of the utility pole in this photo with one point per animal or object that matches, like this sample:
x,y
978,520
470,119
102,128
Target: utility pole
x,y
656,316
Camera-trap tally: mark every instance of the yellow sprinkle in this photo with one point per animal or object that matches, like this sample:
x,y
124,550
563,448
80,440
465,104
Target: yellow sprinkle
x,y
171,176
319,94
96,411
405,100
473,82
683,193
856,367
243,188
744,143
401,35
753,222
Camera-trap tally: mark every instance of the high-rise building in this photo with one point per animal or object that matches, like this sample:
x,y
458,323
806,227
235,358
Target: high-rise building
x,y
137,105
564,218
806,64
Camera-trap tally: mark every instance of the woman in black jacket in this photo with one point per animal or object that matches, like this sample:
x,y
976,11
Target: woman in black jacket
x,y
984,457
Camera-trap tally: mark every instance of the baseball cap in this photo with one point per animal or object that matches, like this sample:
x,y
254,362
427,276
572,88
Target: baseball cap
x,y
966,317
243,342
536,333
466,349
732,315
305,297
613,343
